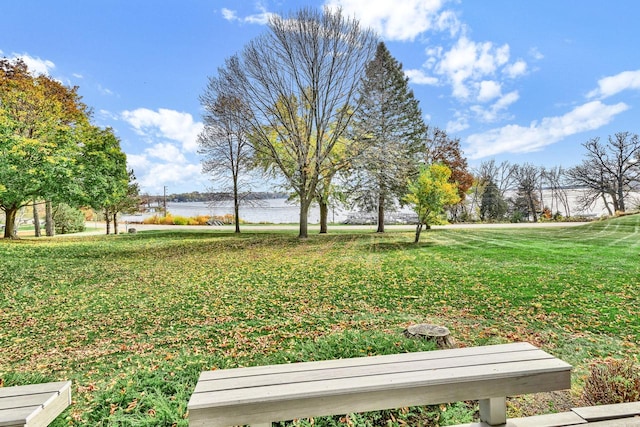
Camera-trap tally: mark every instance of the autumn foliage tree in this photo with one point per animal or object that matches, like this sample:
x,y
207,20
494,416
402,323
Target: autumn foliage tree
x,y
429,194
441,148
39,124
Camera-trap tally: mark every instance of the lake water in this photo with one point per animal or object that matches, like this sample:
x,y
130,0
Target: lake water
x,y
276,211
280,211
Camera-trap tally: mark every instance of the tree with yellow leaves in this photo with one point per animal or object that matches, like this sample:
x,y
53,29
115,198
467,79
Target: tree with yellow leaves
x,y
429,194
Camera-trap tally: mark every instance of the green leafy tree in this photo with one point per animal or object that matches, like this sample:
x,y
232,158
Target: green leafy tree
x,y
390,121
103,175
40,121
429,194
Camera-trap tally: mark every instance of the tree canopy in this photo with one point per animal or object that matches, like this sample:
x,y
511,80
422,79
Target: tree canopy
x,y
299,81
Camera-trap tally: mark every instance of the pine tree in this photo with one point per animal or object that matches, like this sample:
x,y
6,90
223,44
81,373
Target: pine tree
x,y
390,122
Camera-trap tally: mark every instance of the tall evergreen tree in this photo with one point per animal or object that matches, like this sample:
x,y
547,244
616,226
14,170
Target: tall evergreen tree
x,y
390,120
493,206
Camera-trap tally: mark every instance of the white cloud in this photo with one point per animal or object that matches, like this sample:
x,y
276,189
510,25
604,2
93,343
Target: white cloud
x,y
260,18
516,69
167,152
166,124
494,112
36,65
399,20
78,75
489,90
612,85
420,78
229,15
469,62
536,54
138,162
461,123
520,139
156,175
105,91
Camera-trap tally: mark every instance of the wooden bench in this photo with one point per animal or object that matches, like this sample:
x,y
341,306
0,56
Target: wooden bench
x,y
264,394
33,405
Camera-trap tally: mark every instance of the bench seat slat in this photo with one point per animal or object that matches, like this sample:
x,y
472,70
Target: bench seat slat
x,y
17,416
370,360
21,390
34,405
383,382
24,401
418,367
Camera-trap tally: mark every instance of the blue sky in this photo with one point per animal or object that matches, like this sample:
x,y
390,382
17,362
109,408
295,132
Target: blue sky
x,y
523,81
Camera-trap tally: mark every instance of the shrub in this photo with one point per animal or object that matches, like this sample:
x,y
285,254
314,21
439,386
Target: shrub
x,y
67,219
201,219
612,381
151,220
180,220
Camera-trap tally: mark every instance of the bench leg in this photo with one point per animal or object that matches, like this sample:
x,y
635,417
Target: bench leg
x,y
493,411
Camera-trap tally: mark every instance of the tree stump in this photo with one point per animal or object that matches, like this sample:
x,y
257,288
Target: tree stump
x,y
439,334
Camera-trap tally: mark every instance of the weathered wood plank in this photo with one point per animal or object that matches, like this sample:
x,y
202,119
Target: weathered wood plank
x,y
370,360
604,412
354,372
620,422
549,420
35,405
508,374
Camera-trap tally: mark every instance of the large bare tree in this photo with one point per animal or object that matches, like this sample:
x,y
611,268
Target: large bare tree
x,y
611,171
299,81
224,141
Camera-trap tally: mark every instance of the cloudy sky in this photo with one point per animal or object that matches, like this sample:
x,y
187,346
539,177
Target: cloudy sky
x,y
524,81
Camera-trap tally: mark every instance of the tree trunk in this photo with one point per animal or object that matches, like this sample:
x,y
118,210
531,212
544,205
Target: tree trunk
x,y
304,218
324,213
115,223
48,220
236,207
606,204
10,230
36,220
380,214
621,205
532,208
418,231
107,219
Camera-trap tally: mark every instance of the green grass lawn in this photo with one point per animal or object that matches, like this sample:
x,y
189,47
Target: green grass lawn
x,y
133,319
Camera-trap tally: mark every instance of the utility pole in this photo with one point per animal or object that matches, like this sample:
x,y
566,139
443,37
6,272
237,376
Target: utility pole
x,y
165,200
